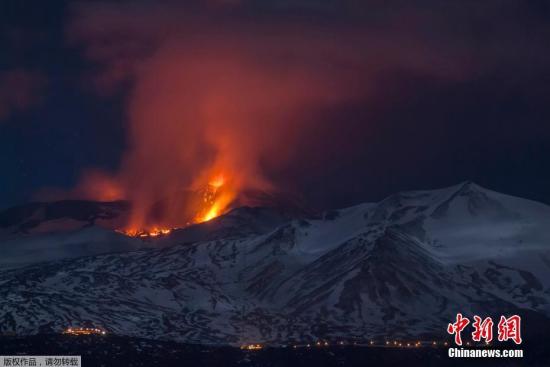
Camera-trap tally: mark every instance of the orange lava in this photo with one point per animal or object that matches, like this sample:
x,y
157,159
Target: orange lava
x,y
144,233
216,198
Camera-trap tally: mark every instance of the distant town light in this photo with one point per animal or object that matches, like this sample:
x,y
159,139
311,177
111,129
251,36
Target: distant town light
x,y
252,347
84,331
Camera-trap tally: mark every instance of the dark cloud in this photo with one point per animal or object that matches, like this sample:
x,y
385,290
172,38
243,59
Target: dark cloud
x,y
19,90
362,91
343,100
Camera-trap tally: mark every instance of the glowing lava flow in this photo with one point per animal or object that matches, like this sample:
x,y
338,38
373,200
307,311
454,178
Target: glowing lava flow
x,y
152,232
216,198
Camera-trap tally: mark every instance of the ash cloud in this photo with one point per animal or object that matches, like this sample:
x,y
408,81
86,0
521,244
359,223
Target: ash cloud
x,y
251,89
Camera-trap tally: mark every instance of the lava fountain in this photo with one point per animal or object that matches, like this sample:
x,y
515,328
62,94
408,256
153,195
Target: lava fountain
x,y
212,118
217,198
208,202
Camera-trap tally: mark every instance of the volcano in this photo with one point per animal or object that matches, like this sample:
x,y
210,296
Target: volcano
x,y
44,231
402,267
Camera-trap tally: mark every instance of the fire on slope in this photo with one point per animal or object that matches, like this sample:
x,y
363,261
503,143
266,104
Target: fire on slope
x,y
144,233
215,199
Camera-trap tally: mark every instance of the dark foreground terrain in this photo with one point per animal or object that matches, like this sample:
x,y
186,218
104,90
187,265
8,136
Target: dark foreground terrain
x,y
123,351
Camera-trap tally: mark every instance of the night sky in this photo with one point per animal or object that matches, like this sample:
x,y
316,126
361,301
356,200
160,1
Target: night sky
x,y
374,97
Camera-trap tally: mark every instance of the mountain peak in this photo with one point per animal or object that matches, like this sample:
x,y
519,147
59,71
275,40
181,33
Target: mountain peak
x,y
470,186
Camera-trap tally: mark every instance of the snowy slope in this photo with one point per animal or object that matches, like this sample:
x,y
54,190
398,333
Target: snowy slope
x,y
61,216
41,232
21,250
403,266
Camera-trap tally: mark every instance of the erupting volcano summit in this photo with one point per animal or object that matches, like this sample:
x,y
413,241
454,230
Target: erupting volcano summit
x,y
210,201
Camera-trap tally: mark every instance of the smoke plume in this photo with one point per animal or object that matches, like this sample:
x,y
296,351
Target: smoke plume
x,y
213,98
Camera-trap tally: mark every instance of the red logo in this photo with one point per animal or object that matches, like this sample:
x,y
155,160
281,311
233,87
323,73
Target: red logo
x,y
457,328
483,329
508,328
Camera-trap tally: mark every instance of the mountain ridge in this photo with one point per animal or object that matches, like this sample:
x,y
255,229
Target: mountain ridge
x,y
391,268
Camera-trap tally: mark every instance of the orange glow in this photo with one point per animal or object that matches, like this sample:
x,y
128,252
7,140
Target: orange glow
x,y
217,197
209,111
97,185
252,347
144,233
217,181
83,331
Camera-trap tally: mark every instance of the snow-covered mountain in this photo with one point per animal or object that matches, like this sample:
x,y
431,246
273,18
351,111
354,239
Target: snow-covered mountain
x,y
60,216
403,266
39,232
